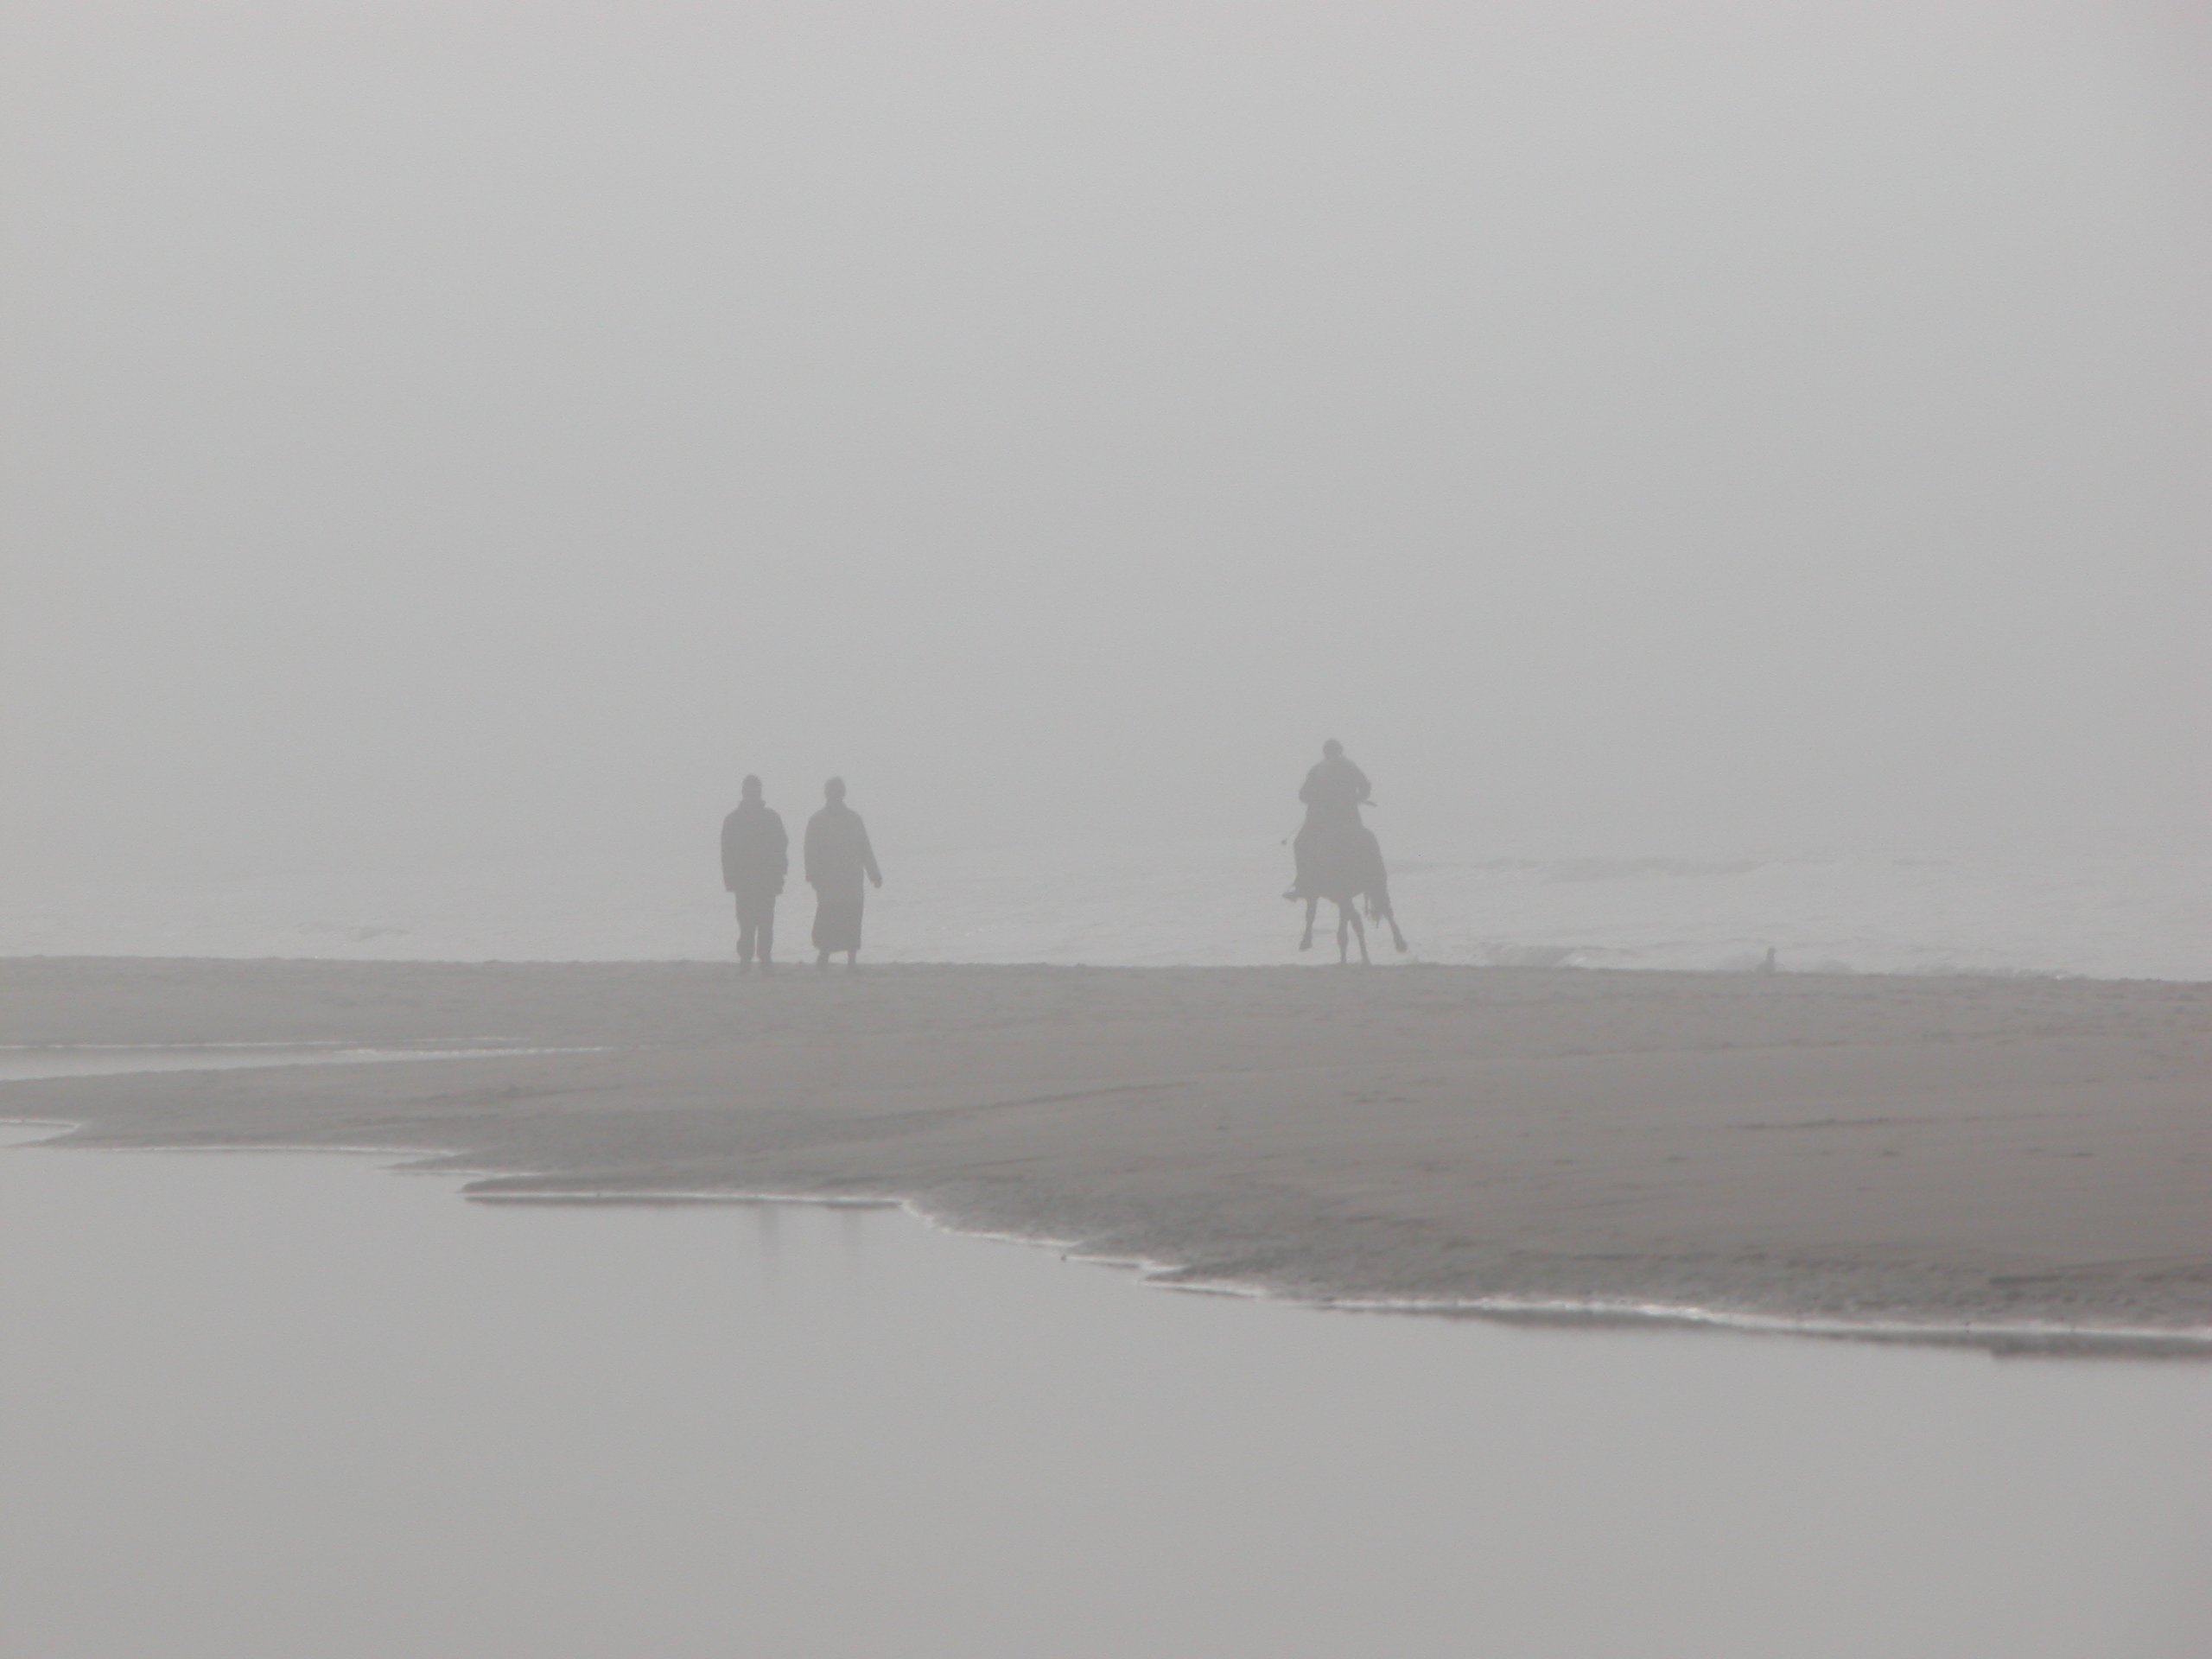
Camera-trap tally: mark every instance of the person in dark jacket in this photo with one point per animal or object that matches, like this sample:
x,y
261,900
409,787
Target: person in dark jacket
x,y
837,855
1334,791
756,856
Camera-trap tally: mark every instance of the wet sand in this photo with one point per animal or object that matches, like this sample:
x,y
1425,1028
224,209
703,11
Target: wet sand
x,y
2023,1161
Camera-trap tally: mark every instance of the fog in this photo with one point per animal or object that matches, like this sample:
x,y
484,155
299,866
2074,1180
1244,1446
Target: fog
x,y
464,431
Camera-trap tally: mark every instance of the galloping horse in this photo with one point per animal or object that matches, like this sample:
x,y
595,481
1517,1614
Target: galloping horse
x,y
1345,866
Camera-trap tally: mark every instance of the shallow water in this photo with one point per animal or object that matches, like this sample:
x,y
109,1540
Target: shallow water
x,y
294,1404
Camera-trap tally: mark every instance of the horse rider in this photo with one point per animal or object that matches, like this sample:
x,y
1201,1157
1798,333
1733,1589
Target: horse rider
x,y
1334,791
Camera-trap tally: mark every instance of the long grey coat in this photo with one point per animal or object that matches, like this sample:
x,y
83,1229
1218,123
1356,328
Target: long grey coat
x,y
838,856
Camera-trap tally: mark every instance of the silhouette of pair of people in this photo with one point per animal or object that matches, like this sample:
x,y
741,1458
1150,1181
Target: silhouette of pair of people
x,y
756,856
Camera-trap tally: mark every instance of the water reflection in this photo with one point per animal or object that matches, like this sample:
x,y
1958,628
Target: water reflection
x,y
302,1407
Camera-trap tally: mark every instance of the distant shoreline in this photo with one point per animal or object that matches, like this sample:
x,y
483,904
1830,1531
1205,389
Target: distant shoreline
x,y
2012,1162
1209,902
1382,962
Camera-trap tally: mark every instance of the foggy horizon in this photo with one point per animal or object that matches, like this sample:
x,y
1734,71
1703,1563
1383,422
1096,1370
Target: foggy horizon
x,y
441,434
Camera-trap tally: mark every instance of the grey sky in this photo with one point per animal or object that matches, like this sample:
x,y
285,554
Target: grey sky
x,y
462,428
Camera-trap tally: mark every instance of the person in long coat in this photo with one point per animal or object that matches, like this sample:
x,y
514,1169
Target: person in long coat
x,y
837,857
756,856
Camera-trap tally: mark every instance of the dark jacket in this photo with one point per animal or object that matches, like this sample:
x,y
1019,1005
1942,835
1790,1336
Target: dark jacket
x,y
756,853
1334,791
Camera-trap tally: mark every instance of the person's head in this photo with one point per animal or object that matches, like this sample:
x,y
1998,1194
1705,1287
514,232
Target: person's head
x,y
1332,750
752,787
835,791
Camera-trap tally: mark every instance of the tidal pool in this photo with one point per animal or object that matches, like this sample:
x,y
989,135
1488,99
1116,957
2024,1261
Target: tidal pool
x,y
294,1404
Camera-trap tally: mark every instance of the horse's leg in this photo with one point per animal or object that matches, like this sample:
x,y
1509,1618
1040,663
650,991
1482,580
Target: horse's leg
x,y
1359,932
1345,909
1379,910
1312,904
1391,917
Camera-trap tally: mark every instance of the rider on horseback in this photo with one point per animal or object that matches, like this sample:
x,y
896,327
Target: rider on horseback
x,y
1334,791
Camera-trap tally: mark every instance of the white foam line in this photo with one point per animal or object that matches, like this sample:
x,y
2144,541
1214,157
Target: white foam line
x,y
193,1048
335,1045
410,1158
408,1154
59,1126
1617,1311
324,1054
1610,1309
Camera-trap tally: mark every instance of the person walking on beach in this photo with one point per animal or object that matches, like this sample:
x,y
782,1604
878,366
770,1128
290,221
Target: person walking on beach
x,y
837,855
755,858
1334,791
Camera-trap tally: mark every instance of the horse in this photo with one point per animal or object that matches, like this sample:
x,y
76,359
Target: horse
x,y
1344,866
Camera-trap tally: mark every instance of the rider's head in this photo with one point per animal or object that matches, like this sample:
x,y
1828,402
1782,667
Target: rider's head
x,y
752,787
1333,749
834,789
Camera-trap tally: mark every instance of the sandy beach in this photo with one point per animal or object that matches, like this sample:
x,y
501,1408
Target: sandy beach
x,y
2018,1162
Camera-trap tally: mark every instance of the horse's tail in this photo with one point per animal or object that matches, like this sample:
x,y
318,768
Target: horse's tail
x,y
1374,880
